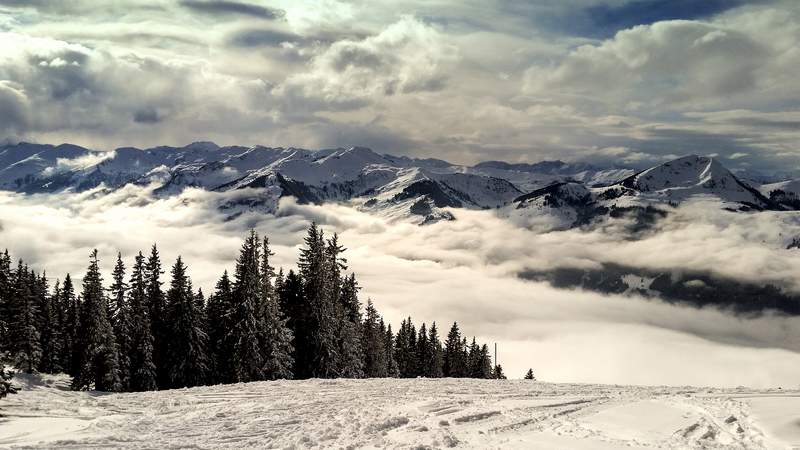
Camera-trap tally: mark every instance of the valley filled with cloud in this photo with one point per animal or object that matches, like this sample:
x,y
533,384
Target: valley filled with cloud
x,y
468,270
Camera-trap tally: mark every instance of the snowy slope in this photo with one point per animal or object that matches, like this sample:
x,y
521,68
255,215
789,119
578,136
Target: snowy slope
x,y
405,413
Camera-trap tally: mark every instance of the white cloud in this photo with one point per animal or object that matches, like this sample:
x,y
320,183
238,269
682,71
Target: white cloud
x,y
466,271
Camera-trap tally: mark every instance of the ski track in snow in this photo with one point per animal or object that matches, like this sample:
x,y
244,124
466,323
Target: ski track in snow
x,y
391,413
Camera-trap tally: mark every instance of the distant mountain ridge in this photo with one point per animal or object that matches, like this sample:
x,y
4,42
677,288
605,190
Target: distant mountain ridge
x,y
392,186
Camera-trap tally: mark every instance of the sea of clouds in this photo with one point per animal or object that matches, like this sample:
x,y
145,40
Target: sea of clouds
x,y
467,270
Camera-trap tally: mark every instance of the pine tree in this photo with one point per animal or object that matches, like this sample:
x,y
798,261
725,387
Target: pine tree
x,y
49,328
297,309
121,322
373,344
142,367
186,351
25,339
529,375
405,349
315,272
486,363
219,320
351,352
159,328
476,359
497,373
99,366
453,354
276,337
247,361
392,370
434,364
69,329
6,289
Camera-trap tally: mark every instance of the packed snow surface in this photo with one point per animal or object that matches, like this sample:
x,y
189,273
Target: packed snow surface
x,y
391,413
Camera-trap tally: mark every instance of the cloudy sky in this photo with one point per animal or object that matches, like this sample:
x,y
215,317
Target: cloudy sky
x,y
622,81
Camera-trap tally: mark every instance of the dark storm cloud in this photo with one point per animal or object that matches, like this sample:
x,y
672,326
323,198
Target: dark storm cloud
x,y
13,110
232,7
146,116
261,37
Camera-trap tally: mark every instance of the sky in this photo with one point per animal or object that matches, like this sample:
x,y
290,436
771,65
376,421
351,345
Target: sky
x,y
630,82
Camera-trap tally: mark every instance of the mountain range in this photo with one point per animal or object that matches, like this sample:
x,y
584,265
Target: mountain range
x,y
391,186
559,194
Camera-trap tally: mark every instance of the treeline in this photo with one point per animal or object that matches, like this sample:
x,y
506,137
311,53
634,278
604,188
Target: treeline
x,y
135,335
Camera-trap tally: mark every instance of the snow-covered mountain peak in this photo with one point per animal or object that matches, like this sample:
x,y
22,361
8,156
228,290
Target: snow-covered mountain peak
x,y
692,176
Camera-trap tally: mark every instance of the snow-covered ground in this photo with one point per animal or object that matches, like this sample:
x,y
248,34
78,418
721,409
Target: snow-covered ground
x,y
390,413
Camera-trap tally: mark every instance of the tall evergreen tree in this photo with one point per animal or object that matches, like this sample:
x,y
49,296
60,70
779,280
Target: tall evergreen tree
x,y
156,303
373,344
424,351
247,358
392,369
276,337
99,366
454,354
486,363
49,328
6,311
219,319
69,328
434,364
25,345
351,353
142,367
315,269
297,309
121,322
405,349
497,373
186,351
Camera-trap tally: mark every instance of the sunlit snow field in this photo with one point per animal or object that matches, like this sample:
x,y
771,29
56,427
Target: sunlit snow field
x,y
391,413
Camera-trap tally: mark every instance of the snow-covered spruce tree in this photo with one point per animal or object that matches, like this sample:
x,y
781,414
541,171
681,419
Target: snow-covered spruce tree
x,y
156,304
25,345
142,367
323,327
424,350
388,341
529,375
219,323
297,309
6,286
276,337
247,358
351,352
69,328
373,343
120,319
434,365
497,373
186,349
405,349
49,331
475,360
99,367
454,354
486,363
